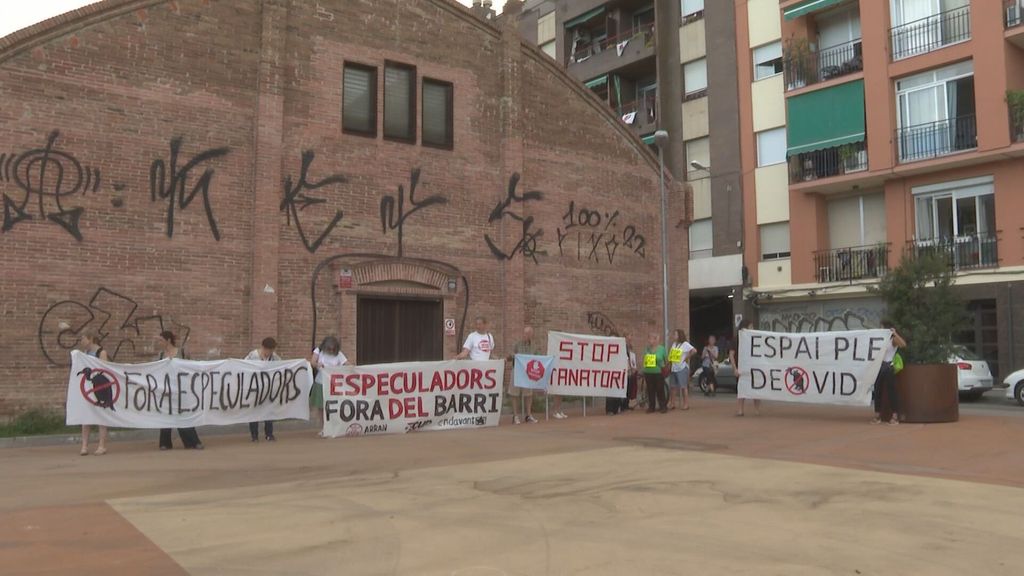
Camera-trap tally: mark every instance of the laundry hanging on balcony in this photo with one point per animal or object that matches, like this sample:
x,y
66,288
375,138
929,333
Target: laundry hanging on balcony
x,y
807,7
826,118
621,47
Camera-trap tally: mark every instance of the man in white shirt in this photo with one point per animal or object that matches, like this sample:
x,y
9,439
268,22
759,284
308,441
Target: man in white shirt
x,y
479,344
265,353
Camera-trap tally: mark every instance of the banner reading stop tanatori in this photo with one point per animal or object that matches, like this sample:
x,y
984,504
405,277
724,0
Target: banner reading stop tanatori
x,y
412,396
816,367
182,393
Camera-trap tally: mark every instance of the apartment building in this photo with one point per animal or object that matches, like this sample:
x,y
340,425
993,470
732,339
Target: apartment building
x,y
878,129
612,47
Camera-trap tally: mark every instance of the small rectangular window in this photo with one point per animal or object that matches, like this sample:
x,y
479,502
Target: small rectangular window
x,y
701,239
399,102
771,147
549,49
359,99
437,113
774,241
695,76
690,7
698,158
767,60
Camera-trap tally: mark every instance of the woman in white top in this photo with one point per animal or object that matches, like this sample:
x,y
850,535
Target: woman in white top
x,y
328,355
679,379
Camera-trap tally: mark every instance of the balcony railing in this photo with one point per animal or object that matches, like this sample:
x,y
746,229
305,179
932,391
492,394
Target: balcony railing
x,y
1017,126
934,139
931,33
849,264
643,33
1015,14
829,162
641,112
962,252
817,67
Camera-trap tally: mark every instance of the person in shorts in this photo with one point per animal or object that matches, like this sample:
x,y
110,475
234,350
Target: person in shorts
x,y
523,395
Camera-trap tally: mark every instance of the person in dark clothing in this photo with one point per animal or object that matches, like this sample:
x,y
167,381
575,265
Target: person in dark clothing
x,y
168,343
885,383
265,353
654,364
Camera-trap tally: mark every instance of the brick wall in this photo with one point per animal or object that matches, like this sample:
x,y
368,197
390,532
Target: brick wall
x,y
125,81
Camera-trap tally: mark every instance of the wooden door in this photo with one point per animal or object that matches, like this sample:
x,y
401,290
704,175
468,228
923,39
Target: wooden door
x,y
399,330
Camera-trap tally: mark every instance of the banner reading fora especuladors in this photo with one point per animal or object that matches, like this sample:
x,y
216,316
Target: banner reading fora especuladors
x,y
412,396
587,365
179,393
815,367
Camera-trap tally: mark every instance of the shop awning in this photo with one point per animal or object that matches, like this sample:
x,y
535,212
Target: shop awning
x,y
599,81
649,139
584,17
825,118
806,7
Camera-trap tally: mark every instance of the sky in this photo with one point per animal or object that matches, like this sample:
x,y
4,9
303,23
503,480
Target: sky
x,y
18,14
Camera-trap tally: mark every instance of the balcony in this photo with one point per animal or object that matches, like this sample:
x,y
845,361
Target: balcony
x,y
939,138
1014,14
849,264
608,53
962,252
827,163
641,114
931,33
803,69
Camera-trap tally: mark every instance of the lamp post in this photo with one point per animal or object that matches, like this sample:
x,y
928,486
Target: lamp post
x,y
661,139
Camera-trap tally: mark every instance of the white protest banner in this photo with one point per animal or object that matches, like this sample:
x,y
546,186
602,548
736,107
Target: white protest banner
x,y
587,365
815,367
411,396
178,393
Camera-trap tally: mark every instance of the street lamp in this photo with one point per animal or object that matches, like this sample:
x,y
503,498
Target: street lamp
x,y
661,139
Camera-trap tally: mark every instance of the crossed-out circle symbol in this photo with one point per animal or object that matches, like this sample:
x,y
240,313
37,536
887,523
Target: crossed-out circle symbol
x,y
796,380
94,391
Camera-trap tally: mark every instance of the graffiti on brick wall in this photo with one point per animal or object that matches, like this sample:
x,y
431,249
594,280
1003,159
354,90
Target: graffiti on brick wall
x,y
47,176
174,184
822,317
602,324
597,236
393,213
113,317
527,241
296,200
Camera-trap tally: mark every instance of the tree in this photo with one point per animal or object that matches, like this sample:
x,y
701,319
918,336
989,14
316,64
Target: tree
x,y
923,305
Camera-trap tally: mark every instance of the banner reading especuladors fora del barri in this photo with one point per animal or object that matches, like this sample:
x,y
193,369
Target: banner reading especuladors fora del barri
x,y
815,368
411,396
178,393
587,365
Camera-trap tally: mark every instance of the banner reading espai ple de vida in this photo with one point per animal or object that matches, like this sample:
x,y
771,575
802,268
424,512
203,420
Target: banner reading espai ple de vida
x,y
587,365
177,393
814,367
412,396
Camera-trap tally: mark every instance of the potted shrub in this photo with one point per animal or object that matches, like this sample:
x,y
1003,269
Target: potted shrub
x,y
852,159
796,55
922,303
1015,103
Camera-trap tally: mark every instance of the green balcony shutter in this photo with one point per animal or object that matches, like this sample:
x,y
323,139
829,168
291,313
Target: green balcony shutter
x,y
807,7
649,139
825,118
599,81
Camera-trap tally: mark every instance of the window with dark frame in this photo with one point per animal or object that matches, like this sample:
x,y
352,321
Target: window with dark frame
x,y
400,102
437,113
359,99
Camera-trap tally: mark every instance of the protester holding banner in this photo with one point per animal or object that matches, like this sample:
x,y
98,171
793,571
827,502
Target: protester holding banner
x,y
189,437
328,355
265,353
709,366
679,378
479,344
885,383
524,395
734,359
654,364
101,387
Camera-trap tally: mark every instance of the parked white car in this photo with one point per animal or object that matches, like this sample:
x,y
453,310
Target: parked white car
x,y
973,375
1015,381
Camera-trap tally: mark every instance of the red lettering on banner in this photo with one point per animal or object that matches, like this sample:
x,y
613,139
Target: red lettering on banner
x,y
597,352
474,379
382,383
613,350
562,348
394,408
352,382
368,381
336,381
492,382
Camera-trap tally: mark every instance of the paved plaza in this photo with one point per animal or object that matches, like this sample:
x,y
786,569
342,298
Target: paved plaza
x,y
798,490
